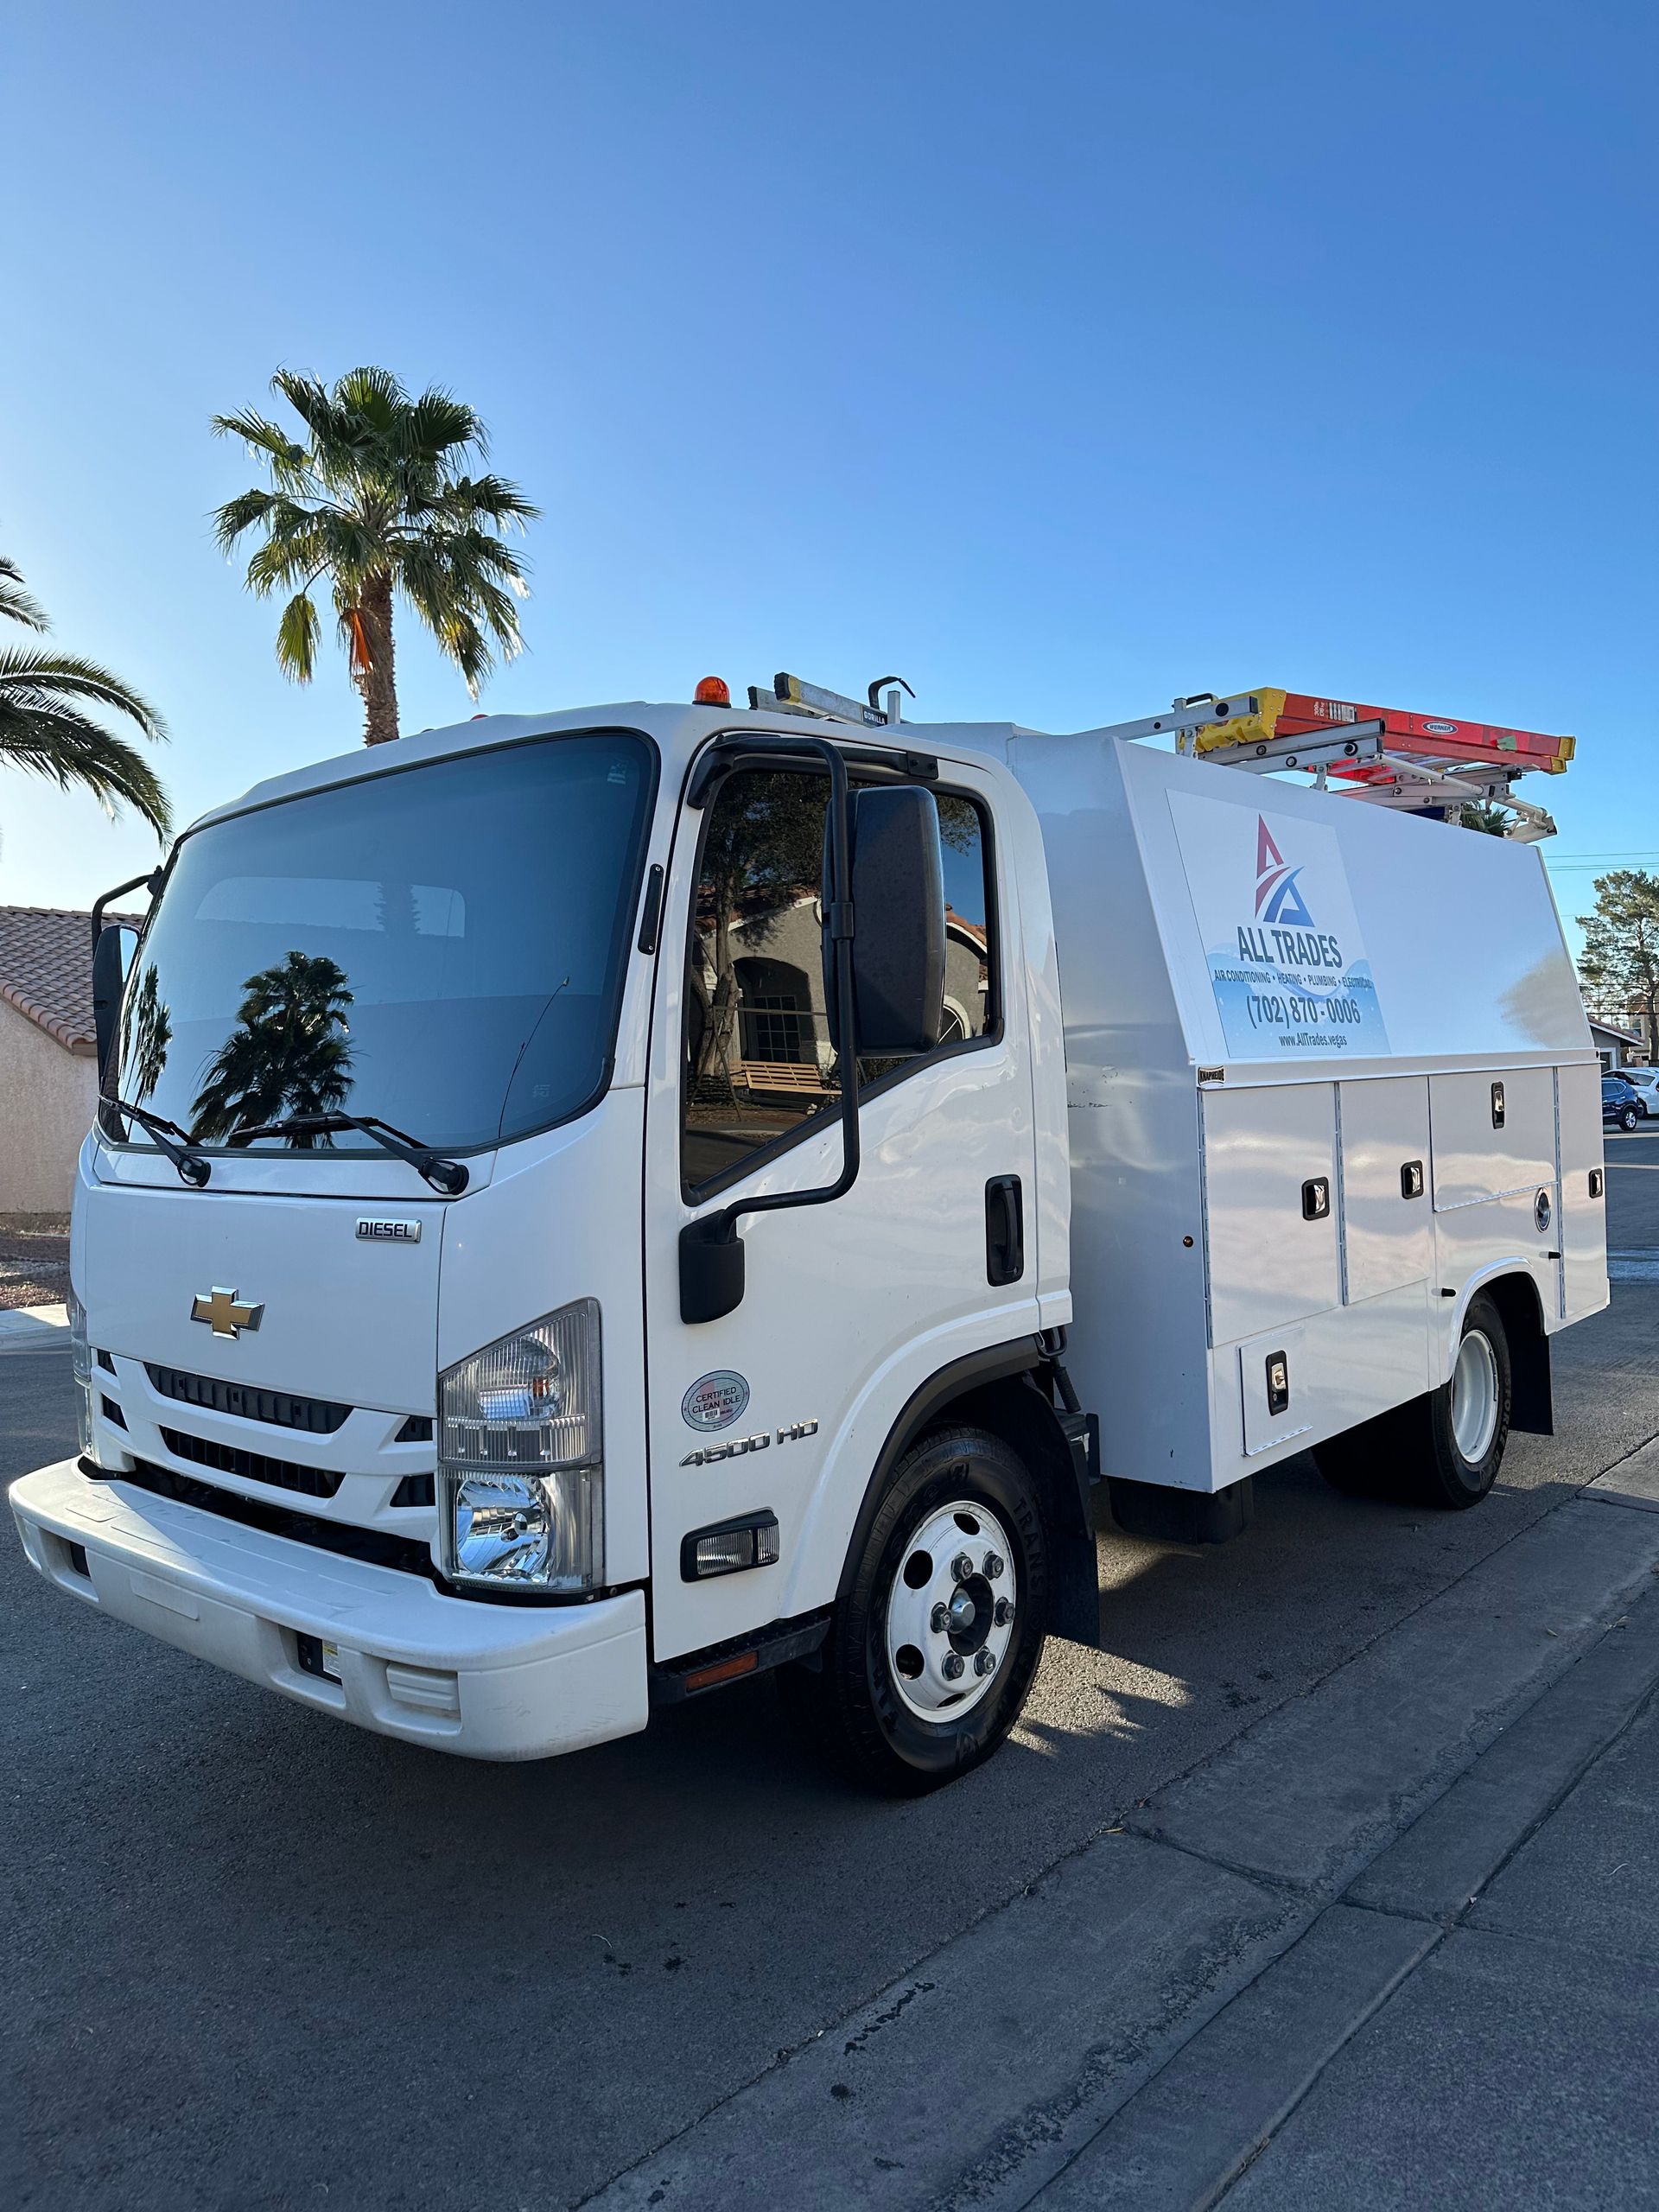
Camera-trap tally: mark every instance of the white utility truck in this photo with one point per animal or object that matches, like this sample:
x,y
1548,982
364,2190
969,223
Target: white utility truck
x,y
497,1308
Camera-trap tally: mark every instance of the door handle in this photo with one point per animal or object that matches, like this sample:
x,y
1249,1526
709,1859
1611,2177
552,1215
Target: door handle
x,y
1005,1232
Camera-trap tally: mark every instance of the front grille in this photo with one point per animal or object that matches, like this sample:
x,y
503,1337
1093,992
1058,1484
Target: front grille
x,y
338,1536
316,1416
252,1466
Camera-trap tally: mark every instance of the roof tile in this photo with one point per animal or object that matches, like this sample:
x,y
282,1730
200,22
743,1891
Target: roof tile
x,y
46,971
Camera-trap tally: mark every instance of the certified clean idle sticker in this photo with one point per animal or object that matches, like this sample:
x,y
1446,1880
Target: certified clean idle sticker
x,y
714,1401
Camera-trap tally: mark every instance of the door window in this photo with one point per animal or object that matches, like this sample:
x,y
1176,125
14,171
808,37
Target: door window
x,y
759,1064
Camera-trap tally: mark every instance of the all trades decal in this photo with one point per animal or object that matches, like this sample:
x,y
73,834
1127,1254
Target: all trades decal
x,y
1288,964
714,1401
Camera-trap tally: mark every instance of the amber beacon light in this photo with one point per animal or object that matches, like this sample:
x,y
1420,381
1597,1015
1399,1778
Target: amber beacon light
x,y
712,691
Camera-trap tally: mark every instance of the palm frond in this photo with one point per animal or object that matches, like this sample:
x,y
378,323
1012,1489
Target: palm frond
x,y
261,436
315,404
240,514
373,398
51,677
438,424
68,748
467,500
296,551
296,638
16,604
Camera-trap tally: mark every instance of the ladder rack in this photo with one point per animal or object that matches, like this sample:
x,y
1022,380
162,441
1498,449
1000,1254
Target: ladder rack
x,y
1419,764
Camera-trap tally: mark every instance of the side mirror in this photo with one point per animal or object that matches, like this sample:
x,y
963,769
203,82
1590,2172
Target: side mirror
x,y
899,947
111,956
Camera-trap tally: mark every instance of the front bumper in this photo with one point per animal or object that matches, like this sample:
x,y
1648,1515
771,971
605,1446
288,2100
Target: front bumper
x,y
488,1681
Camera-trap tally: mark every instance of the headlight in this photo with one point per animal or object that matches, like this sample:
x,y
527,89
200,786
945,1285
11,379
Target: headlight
x,y
520,1463
80,1364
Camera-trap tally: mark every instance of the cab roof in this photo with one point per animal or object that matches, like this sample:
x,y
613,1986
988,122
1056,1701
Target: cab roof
x,y
677,729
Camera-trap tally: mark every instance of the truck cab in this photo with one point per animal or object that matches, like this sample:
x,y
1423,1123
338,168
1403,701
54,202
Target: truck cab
x,y
452,1462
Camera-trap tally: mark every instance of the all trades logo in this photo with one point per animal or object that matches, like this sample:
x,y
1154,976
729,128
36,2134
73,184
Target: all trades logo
x,y
1277,898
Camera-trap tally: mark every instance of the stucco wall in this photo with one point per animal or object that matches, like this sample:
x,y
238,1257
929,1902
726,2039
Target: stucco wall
x,y
47,1098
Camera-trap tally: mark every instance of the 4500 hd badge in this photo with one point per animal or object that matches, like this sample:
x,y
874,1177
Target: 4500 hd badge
x,y
791,1432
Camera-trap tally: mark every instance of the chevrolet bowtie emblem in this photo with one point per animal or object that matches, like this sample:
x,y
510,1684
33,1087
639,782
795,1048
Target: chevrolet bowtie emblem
x,y
222,1313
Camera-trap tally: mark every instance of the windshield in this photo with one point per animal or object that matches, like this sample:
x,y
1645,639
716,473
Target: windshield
x,y
442,947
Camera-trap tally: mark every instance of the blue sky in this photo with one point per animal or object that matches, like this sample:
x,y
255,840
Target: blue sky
x,y
1063,357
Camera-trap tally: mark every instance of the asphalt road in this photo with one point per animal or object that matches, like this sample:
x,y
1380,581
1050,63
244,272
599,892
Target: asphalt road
x,y
256,1958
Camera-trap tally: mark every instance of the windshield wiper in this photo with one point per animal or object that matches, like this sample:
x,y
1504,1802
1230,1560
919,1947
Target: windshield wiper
x,y
447,1175
192,1168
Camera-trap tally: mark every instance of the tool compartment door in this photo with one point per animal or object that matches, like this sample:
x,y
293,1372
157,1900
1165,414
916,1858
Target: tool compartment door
x,y
1476,1155
1387,1235
1267,1262
1584,1213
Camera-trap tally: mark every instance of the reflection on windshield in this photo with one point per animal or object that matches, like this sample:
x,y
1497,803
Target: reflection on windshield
x,y
442,947
288,1054
148,1032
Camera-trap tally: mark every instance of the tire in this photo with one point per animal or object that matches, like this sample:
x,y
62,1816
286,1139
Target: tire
x,y
889,1706
1443,1449
1629,1116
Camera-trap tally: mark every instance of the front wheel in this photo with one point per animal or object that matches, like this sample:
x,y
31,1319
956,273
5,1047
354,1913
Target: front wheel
x,y
932,1649
1629,1117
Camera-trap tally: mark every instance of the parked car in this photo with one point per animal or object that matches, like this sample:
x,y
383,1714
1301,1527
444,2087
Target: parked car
x,y
1645,1084
1621,1102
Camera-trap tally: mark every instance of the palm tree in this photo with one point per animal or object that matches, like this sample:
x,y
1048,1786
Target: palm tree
x,y
45,728
375,500
291,1053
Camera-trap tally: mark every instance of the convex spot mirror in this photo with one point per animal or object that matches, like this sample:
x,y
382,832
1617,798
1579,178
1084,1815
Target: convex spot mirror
x,y
899,930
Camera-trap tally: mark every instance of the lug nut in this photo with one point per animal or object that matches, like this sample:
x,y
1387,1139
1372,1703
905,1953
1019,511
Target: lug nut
x,y
1004,1612
939,1619
962,1566
993,1566
952,1666
984,1662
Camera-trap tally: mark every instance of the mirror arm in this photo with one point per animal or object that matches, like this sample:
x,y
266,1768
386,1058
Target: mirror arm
x,y
150,881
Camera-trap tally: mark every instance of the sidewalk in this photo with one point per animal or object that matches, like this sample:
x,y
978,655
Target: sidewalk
x,y
31,1325
1398,1946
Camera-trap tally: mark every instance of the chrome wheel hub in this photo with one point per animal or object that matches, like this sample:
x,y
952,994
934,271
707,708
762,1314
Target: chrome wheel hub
x,y
1475,1397
951,1611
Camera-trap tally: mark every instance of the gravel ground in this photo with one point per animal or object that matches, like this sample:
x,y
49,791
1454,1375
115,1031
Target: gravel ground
x,y
33,1260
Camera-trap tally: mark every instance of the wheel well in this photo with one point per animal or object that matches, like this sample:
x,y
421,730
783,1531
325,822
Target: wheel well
x,y
1515,1297
1003,1389
1016,1409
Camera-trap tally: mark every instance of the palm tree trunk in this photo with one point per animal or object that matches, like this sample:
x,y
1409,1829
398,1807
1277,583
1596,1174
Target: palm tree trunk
x,y
380,682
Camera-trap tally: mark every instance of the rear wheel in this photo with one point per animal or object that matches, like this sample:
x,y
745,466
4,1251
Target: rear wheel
x,y
1443,1449
932,1650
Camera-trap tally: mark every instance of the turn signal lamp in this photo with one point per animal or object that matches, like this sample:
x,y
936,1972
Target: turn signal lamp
x,y
730,1548
712,691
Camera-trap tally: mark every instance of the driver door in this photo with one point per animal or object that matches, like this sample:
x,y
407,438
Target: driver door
x,y
781,1406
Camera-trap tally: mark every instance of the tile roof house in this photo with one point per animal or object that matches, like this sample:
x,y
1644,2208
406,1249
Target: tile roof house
x,y
1617,1047
48,1076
